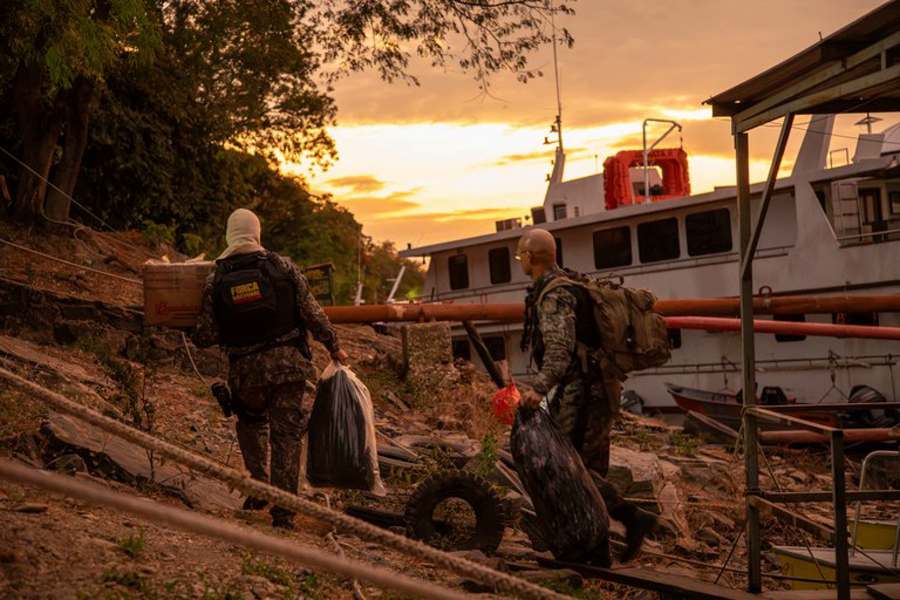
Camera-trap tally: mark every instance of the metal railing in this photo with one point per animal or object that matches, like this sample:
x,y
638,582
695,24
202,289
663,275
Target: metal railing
x,y
859,236
838,495
862,482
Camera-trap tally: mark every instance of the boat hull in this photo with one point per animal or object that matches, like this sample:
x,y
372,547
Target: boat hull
x,y
725,408
796,561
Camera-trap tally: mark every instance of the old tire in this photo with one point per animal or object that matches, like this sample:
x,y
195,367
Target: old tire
x,y
490,518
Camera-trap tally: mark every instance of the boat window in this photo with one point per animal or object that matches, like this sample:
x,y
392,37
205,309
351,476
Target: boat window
x,y
559,212
498,260
458,265
559,251
864,318
894,199
462,349
496,345
708,232
658,240
788,337
612,247
674,338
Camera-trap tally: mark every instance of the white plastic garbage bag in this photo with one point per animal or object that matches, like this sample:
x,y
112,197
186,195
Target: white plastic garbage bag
x,y
342,451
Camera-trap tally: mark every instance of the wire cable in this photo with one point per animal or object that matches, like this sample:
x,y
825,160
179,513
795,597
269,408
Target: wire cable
x,y
51,184
218,528
70,263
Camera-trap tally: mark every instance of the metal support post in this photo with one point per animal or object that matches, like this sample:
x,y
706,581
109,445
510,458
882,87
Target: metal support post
x,y
769,191
748,358
839,494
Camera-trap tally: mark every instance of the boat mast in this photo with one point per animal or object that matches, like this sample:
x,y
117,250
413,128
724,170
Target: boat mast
x,y
558,123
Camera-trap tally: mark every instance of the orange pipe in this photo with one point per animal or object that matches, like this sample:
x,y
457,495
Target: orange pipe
x,y
780,305
801,436
787,328
710,307
514,313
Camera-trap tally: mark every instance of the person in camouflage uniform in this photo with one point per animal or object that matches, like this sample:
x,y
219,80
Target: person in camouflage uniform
x,y
268,379
585,402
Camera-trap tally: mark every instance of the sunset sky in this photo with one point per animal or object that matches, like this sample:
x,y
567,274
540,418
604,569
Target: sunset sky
x,y
437,162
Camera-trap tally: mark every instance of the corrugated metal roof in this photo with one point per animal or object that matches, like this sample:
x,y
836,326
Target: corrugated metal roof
x,y
858,35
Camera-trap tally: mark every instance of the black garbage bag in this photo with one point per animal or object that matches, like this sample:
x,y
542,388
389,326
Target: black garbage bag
x,y
572,520
342,452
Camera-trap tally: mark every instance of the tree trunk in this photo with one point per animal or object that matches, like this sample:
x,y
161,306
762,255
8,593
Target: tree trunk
x,y
40,127
75,135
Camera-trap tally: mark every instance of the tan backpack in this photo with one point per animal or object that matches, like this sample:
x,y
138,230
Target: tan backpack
x,y
632,336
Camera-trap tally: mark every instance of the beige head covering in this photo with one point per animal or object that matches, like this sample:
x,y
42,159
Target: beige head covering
x,y
242,233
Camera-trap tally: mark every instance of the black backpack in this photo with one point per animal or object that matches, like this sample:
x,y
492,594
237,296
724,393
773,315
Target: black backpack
x,y
255,301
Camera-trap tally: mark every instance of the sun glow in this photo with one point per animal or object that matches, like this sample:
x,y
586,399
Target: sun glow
x,y
427,182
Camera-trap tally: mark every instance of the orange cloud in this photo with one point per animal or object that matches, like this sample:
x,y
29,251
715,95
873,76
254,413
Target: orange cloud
x,y
542,155
418,229
479,214
376,207
358,184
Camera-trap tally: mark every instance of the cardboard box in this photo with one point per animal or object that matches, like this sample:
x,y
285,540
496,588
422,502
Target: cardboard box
x,y
173,291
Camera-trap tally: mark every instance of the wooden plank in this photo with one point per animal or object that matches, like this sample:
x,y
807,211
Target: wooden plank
x,y
490,366
657,581
784,419
861,496
885,591
797,520
713,428
855,594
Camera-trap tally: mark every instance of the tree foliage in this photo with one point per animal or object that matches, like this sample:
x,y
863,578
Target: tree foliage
x,y
169,114
54,55
150,164
480,36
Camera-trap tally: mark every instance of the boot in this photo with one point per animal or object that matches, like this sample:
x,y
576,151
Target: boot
x,y
638,523
252,503
601,556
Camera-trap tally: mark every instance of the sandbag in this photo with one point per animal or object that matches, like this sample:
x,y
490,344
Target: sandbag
x,y
342,452
572,519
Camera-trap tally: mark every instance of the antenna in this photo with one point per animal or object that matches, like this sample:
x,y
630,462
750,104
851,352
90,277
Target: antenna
x,y
868,120
556,75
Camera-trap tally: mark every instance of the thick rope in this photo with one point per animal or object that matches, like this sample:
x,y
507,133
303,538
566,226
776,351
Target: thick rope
x,y
502,582
223,530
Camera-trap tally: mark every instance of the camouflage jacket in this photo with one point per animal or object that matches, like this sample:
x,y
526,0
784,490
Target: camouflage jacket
x,y
274,366
557,327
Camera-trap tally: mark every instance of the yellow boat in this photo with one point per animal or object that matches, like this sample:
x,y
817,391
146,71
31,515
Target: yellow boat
x,y
796,562
877,535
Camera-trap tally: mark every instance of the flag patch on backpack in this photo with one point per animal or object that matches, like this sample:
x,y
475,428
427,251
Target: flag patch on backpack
x,y
246,292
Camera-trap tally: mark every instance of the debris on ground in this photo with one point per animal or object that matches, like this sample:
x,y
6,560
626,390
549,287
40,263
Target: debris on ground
x,y
444,457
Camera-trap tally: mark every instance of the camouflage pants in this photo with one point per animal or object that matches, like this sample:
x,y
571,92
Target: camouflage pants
x,y
585,411
273,416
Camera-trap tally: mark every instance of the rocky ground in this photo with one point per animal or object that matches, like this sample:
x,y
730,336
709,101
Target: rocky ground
x,y
56,547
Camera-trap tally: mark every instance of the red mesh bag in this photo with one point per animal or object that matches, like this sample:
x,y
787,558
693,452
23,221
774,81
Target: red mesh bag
x,y
505,402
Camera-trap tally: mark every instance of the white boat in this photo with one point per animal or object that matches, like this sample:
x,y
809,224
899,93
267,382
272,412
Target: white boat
x,y
829,231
